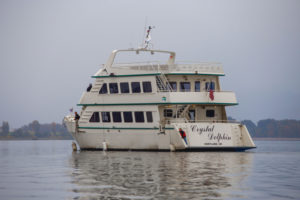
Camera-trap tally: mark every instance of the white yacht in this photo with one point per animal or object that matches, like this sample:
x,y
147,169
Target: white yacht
x,y
157,106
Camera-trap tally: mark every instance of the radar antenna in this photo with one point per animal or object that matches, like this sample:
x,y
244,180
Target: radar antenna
x,y
148,38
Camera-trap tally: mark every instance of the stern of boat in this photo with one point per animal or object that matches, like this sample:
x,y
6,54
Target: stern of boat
x,y
216,136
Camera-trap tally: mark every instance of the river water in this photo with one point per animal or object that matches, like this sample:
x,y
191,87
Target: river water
x,y
50,170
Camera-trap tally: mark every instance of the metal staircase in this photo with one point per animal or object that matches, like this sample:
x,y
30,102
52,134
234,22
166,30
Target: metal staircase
x,y
181,111
163,84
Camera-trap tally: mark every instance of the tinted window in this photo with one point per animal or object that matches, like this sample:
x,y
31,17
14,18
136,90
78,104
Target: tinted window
x,y
124,87
185,86
173,86
149,117
116,116
105,116
192,115
139,116
103,89
147,86
197,86
135,86
95,117
210,113
168,112
127,116
209,85
212,85
113,88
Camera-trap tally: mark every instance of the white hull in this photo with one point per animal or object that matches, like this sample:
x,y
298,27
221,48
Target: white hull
x,y
199,136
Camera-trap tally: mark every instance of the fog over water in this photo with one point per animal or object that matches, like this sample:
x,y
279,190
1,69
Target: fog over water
x,y
49,50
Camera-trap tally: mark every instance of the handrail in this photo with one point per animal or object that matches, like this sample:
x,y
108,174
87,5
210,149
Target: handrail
x,y
112,56
205,121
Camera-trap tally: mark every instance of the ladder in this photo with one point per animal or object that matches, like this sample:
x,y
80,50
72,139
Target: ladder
x,y
162,83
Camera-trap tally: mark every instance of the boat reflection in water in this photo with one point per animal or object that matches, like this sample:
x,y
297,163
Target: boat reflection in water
x,y
151,175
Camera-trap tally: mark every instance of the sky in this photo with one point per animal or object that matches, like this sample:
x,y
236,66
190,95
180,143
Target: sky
x,y
49,49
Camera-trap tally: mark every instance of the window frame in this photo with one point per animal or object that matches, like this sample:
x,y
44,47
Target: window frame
x,y
118,117
184,89
112,89
132,88
197,89
136,117
145,86
93,118
103,117
171,84
149,118
104,87
213,113
122,88
125,117
168,112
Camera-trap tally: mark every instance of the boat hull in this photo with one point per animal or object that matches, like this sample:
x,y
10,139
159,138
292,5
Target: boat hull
x,y
199,137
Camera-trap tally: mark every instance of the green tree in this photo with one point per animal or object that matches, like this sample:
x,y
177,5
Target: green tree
x,y
5,128
35,126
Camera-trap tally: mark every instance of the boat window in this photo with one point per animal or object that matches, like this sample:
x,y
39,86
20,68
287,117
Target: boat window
x,y
197,86
135,86
95,117
103,89
113,88
185,86
105,116
207,86
147,86
116,116
127,116
149,116
124,87
210,85
139,116
192,115
210,113
168,112
173,86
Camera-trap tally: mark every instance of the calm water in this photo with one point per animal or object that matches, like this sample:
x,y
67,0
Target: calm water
x,y
49,170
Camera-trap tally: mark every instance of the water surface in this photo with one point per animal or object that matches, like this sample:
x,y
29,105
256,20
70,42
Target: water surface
x,y
50,170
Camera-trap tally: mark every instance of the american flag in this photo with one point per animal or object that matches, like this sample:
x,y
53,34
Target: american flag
x,y
211,94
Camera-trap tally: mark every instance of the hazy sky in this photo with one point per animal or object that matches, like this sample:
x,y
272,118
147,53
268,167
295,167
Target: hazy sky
x,y
49,50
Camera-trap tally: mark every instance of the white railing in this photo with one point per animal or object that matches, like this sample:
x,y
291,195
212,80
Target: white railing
x,y
184,120
162,67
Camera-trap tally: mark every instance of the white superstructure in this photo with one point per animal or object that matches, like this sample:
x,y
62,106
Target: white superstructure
x,y
143,106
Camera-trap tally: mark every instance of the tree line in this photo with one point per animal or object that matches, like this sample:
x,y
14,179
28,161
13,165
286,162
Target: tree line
x,y
271,128
267,128
35,130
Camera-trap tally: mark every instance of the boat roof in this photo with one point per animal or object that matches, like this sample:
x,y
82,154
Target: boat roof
x,y
155,68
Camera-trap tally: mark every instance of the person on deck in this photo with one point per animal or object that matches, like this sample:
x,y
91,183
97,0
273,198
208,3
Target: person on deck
x,y
183,135
77,117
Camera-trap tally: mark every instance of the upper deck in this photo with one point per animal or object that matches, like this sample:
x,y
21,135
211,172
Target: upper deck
x,y
155,67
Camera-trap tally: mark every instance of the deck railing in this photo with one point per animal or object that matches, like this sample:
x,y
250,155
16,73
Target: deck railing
x,y
184,120
156,66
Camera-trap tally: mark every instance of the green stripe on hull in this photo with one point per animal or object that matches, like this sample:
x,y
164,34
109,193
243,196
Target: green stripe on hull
x,y
159,103
123,128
